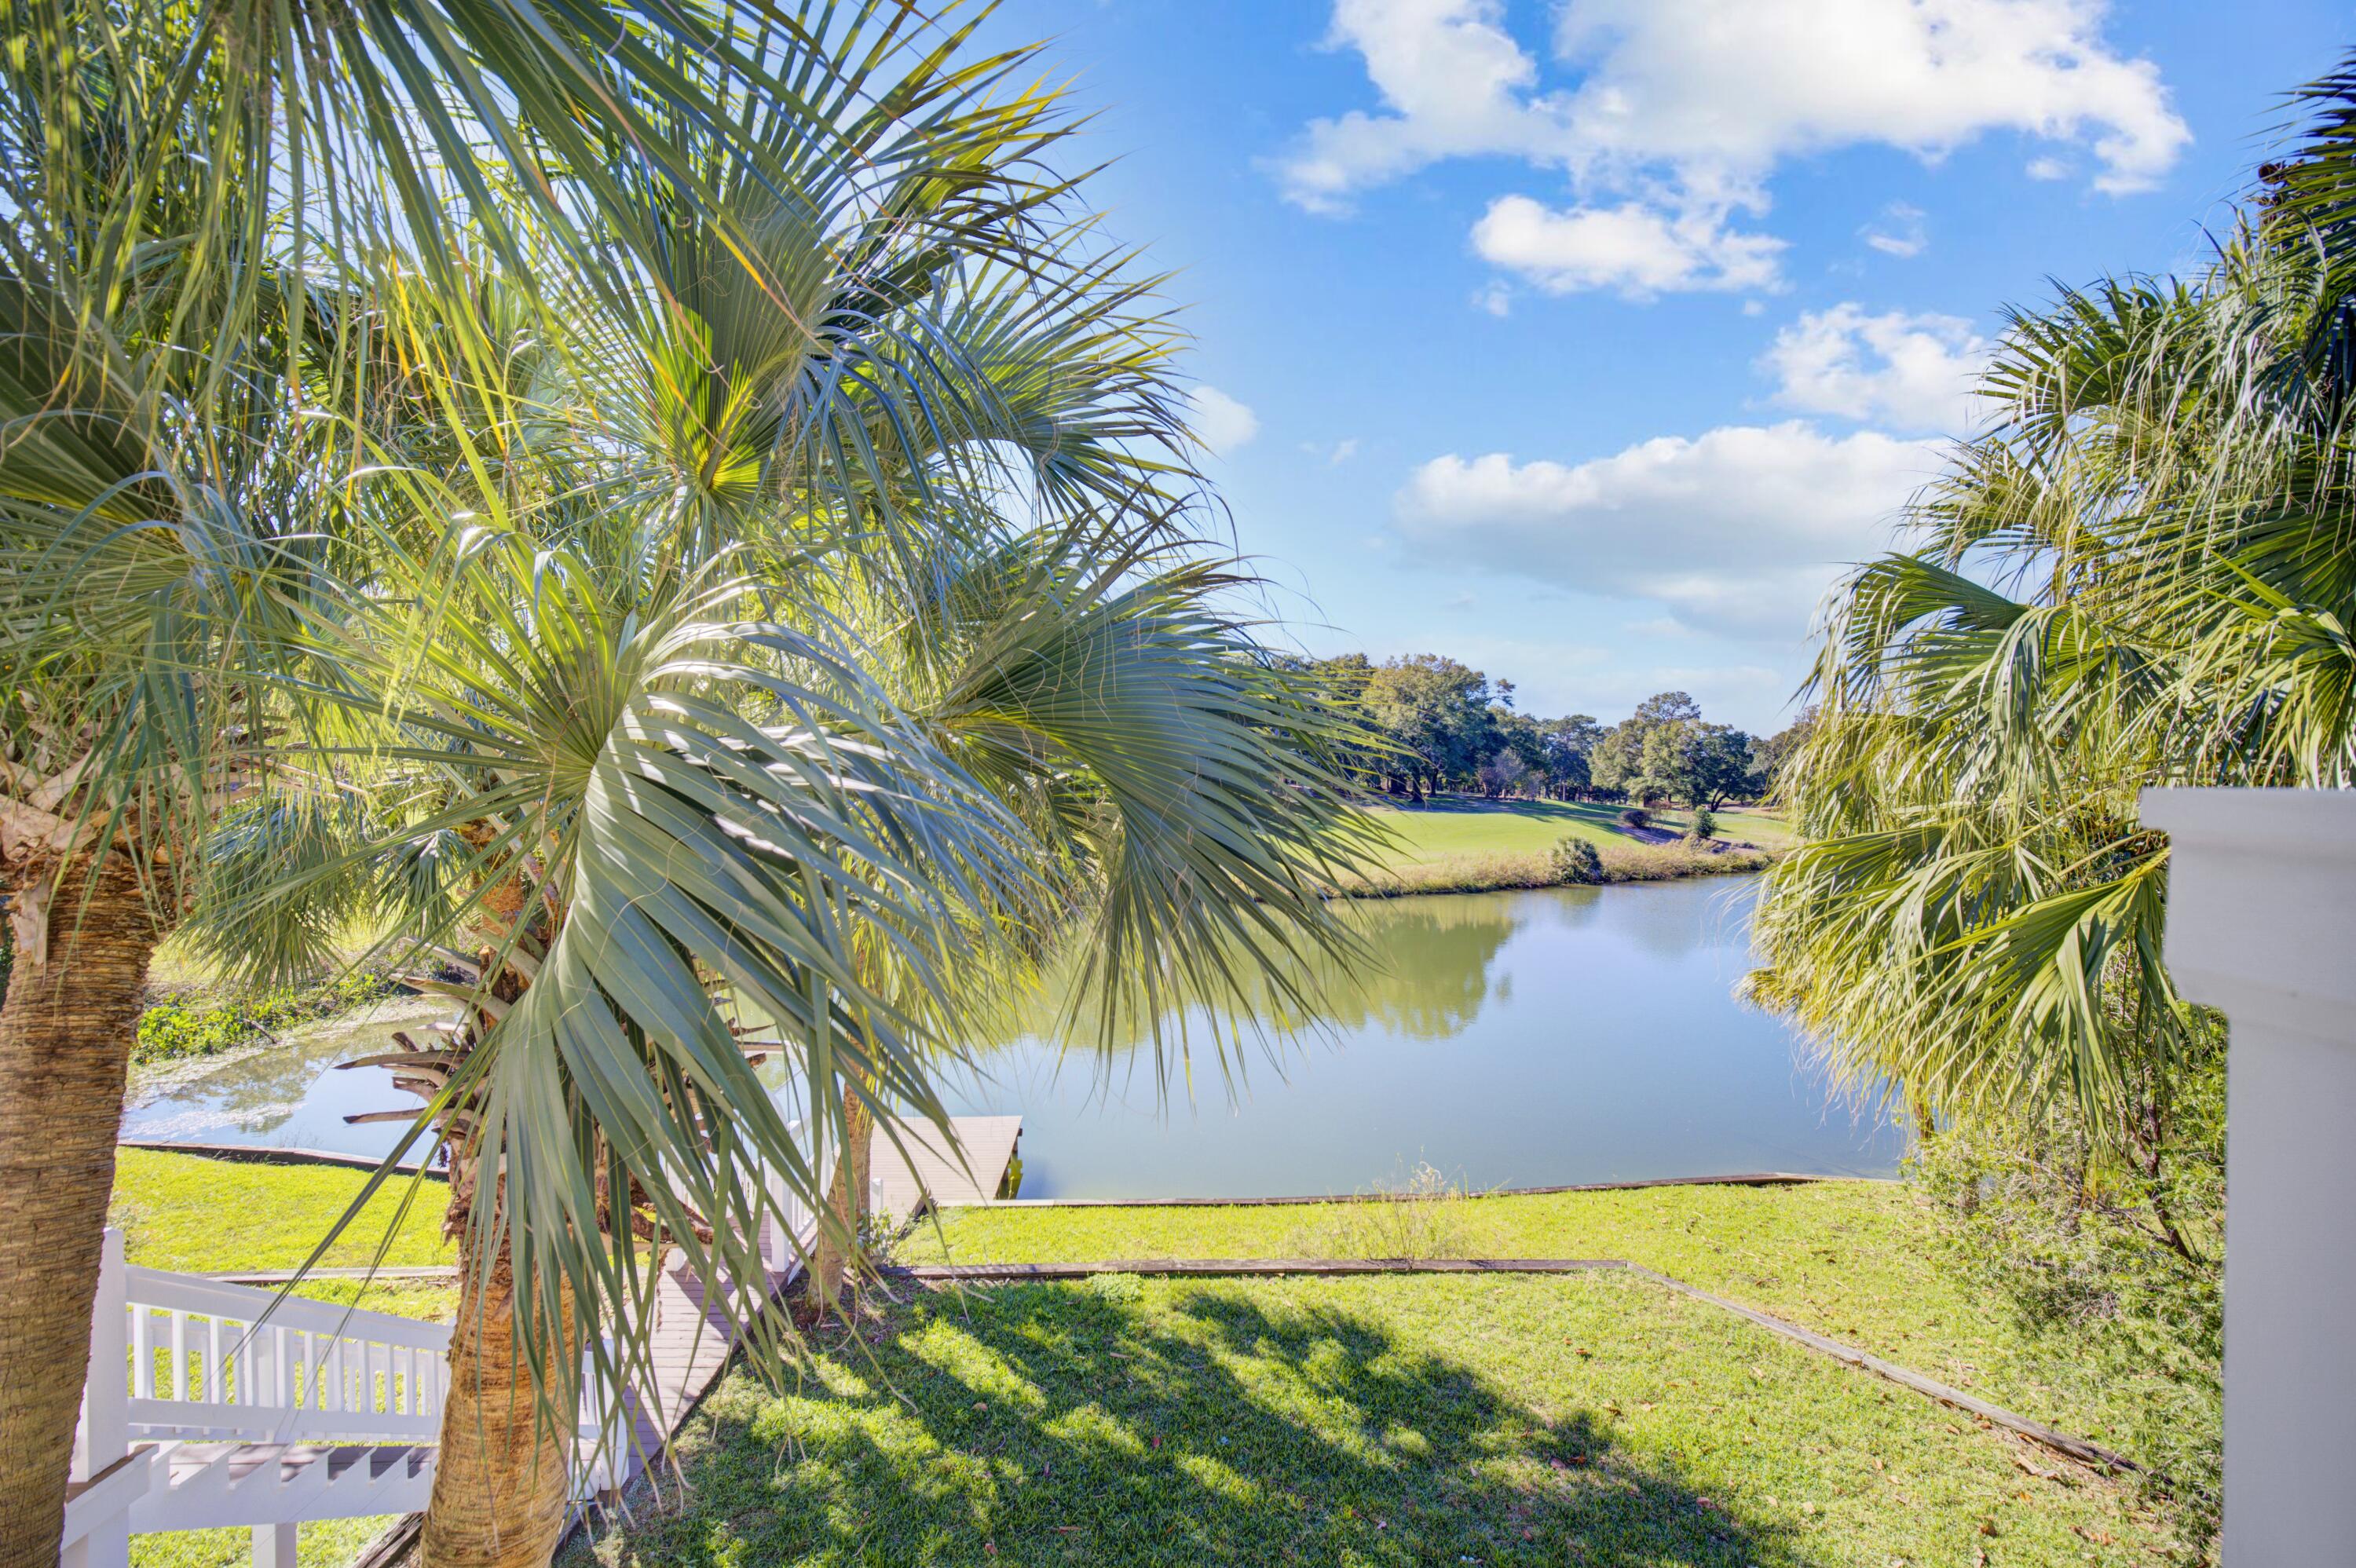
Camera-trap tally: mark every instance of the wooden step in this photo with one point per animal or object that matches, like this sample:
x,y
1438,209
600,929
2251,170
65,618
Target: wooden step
x,y
202,1486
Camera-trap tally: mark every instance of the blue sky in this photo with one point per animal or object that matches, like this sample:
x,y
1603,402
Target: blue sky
x,y
1587,342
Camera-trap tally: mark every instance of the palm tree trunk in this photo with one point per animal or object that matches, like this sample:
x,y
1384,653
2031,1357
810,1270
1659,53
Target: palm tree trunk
x,y
65,1045
846,1198
502,1478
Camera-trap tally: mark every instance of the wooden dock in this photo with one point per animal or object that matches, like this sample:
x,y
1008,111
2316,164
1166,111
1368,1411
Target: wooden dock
x,y
926,1170
692,1340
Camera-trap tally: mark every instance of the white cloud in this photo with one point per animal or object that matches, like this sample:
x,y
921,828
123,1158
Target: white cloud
x,y
1911,372
1686,107
1739,531
1901,233
1636,249
1452,77
1221,423
2048,169
1735,85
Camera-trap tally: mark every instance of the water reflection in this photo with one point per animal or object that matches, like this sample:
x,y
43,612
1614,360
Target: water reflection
x,y
283,1092
1562,1035
1522,1038
1435,958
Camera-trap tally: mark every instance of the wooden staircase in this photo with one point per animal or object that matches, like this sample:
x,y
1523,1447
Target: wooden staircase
x,y
231,1407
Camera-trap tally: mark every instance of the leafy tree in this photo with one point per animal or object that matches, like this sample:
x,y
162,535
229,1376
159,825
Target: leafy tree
x,y
1436,712
1365,757
1502,773
1665,707
603,569
1644,756
1617,762
1768,755
1710,764
1569,744
215,217
1525,739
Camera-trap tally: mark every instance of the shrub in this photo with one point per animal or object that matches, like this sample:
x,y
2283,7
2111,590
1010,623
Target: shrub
x,y
1576,861
1636,817
1704,824
2112,1263
181,1027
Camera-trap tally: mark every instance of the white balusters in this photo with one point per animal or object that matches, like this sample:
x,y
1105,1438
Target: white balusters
x,y
246,1363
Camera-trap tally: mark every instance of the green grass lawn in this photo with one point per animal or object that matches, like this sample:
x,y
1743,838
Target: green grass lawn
x,y
1854,1260
1457,825
1458,844
213,1216
1593,1420
1366,1420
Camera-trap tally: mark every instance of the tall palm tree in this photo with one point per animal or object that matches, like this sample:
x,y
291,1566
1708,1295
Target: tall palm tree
x,y
668,825
599,720
2142,571
205,203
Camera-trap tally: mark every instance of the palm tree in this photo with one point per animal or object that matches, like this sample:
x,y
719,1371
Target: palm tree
x,y
1175,784
2141,570
208,207
665,826
598,721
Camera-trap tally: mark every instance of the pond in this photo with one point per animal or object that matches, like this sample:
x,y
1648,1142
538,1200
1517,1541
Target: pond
x,y
1507,1039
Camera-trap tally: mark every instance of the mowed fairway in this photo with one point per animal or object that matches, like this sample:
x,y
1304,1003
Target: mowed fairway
x,y
1452,827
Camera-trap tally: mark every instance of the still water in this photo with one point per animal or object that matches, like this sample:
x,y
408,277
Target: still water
x,y
1508,1039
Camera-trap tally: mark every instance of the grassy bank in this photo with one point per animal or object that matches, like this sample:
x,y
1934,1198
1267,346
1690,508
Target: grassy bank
x,y
1860,1261
217,1216
198,1020
1589,1419
1402,1420
1459,844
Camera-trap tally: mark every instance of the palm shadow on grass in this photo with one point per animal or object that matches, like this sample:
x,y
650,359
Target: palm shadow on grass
x,y
1072,1424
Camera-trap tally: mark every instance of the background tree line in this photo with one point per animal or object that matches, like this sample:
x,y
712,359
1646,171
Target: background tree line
x,y
1444,726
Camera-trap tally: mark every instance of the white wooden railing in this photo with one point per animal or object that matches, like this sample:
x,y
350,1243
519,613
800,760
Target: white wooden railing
x,y
220,1396
205,1362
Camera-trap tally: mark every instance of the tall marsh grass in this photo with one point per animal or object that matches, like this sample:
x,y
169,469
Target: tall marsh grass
x,y
1535,868
1422,1215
